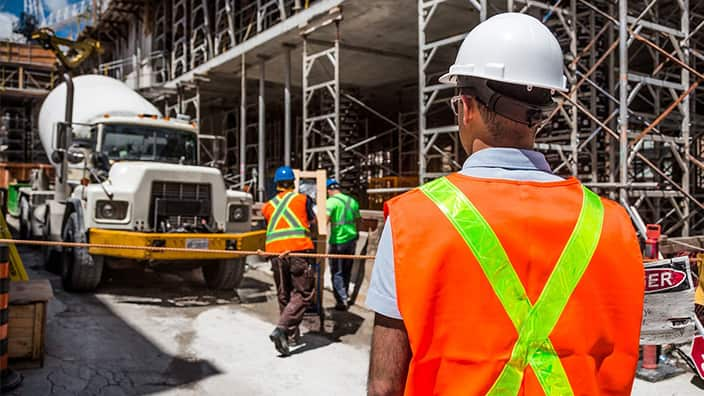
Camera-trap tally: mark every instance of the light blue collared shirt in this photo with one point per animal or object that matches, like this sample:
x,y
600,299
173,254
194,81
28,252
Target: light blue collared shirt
x,y
493,163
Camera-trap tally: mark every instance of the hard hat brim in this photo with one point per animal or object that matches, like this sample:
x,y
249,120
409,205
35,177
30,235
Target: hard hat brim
x,y
451,79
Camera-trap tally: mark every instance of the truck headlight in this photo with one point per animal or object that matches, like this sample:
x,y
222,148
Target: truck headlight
x,y
111,210
238,213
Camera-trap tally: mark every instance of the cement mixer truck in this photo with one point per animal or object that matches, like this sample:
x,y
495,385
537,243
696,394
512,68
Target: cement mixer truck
x,y
126,175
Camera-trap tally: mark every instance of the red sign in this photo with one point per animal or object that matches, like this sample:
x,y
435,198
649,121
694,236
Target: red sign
x,y
659,279
697,354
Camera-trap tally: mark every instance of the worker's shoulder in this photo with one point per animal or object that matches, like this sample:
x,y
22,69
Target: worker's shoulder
x,y
613,208
405,198
617,222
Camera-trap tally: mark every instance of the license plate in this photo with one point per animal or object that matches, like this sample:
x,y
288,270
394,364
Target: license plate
x,y
197,243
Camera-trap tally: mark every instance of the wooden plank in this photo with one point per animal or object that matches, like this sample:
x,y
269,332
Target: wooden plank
x,y
21,311
21,325
20,347
38,344
26,292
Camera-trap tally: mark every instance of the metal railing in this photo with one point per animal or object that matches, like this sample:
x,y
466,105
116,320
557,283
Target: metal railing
x,y
150,71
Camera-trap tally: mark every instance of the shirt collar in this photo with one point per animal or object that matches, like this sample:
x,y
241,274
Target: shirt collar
x,y
508,158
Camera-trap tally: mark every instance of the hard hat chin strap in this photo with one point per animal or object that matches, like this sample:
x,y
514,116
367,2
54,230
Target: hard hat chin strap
x,y
506,106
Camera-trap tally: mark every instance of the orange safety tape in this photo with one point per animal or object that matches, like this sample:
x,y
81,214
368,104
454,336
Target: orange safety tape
x,y
4,270
3,331
182,250
4,300
3,361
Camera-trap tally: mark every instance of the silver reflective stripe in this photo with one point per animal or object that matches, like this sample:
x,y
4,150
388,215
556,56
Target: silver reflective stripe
x,y
347,210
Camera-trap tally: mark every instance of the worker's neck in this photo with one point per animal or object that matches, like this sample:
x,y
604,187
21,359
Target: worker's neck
x,y
333,192
521,144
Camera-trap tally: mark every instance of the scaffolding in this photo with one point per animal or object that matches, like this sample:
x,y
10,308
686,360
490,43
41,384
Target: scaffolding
x,y
321,106
624,128
629,127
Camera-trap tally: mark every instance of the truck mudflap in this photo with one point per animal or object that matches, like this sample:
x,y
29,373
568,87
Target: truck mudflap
x,y
250,241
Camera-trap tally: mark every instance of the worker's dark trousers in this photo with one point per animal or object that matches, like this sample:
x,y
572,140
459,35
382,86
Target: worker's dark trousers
x,y
699,310
341,269
295,289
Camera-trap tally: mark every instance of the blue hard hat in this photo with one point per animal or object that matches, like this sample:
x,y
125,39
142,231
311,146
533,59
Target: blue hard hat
x,y
332,183
284,173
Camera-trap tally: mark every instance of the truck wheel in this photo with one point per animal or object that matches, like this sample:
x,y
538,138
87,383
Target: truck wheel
x,y
224,274
80,271
25,222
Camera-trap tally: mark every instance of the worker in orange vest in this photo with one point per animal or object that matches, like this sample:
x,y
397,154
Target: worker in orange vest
x,y
504,278
289,217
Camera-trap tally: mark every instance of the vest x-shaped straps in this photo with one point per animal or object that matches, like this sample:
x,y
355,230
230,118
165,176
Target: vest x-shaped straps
x,y
534,323
346,211
282,211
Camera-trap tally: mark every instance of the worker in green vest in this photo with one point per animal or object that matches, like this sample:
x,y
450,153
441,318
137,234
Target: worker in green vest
x,y
343,212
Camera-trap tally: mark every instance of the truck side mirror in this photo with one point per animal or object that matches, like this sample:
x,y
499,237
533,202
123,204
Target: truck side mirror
x,y
100,161
75,156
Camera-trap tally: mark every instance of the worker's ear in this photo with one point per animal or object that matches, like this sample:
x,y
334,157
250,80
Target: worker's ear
x,y
469,109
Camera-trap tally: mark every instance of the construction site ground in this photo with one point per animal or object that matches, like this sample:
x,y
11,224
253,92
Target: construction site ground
x,y
145,332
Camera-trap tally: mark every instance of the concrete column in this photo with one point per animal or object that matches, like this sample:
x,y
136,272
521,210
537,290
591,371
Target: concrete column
x,y
243,123
287,107
261,148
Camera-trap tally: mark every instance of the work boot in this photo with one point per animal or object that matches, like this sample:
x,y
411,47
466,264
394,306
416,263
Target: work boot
x,y
280,340
295,338
342,305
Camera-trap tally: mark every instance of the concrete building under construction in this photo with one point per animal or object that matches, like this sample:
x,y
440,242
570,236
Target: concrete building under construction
x,y
27,73
351,86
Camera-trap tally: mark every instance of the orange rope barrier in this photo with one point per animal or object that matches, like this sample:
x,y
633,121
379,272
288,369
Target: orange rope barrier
x,y
260,253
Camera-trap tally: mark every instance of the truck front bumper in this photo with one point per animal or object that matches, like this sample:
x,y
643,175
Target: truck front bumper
x,y
252,240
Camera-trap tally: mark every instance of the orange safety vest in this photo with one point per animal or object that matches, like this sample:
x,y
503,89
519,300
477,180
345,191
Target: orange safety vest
x,y
464,327
287,223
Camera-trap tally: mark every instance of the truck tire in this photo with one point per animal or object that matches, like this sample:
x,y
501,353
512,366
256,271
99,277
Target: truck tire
x,y
80,271
224,274
25,227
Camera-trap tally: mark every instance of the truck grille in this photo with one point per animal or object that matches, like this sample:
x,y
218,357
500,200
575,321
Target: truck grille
x,y
179,204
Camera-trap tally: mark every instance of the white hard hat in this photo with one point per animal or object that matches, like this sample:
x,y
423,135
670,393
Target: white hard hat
x,y
511,48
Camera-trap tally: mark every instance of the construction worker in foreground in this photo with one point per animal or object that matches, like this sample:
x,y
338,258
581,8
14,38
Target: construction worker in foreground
x,y
504,278
343,211
289,217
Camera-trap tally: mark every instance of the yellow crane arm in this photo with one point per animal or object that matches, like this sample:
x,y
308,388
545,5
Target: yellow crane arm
x,y
83,49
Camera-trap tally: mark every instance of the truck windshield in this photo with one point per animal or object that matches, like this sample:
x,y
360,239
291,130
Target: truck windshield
x,y
143,143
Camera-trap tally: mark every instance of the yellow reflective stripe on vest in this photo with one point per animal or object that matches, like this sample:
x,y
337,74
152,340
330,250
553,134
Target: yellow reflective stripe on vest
x,y
281,211
533,323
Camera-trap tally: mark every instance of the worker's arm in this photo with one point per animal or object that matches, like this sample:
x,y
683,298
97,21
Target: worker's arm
x,y
390,356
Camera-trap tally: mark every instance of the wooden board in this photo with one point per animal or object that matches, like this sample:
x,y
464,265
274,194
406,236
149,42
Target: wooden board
x,y
25,292
20,53
27,322
26,334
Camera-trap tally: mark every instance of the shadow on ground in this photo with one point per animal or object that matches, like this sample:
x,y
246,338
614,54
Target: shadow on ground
x,y
338,324
179,289
91,350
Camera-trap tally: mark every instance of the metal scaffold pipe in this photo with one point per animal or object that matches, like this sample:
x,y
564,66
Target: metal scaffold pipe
x,y
287,107
261,147
243,123
623,96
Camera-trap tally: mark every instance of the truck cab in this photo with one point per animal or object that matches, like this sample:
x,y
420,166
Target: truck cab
x,y
135,180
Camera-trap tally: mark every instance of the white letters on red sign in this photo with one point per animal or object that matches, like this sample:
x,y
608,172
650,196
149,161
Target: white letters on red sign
x,y
659,279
